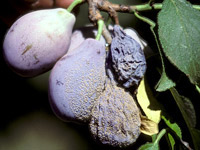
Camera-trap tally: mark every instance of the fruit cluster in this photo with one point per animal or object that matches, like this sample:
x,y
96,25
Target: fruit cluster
x,y
82,84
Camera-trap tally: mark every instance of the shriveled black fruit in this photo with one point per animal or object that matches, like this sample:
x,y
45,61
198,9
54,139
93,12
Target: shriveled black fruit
x,y
115,117
128,60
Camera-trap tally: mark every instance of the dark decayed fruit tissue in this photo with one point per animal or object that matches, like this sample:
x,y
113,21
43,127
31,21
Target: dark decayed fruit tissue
x,y
82,88
128,58
115,116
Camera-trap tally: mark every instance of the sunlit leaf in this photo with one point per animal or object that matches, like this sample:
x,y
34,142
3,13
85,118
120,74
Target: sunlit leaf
x,y
179,34
148,103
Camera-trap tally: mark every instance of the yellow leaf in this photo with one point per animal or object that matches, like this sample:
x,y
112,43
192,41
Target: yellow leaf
x,y
148,103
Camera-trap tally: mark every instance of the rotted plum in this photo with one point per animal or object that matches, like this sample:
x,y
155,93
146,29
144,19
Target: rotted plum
x,y
127,58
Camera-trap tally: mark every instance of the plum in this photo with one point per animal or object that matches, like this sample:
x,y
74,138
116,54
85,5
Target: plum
x,y
143,44
90,31
82,89
128,58
115,116
77,80
37,40
82,33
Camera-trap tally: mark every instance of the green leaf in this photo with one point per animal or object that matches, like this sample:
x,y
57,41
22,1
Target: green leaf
x,y
177,130
154,137
164,83
186,107
155,144
174,127
188,113
171,141
179,34
149,146
196,136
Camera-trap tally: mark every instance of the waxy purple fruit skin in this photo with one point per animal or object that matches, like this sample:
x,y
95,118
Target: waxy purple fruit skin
x,y
77,80
37,40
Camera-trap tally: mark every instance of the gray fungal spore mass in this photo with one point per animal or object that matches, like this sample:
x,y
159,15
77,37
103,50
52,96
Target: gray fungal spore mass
x,y
83,88
77,80
128,60
115,117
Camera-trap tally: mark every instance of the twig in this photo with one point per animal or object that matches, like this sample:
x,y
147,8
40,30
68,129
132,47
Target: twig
x,y
95,6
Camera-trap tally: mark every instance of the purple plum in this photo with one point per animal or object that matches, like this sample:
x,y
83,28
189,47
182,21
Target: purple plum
x,y
37,40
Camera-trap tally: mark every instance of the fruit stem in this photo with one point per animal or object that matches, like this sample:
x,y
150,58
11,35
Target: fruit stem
x,y
73,4
100,29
